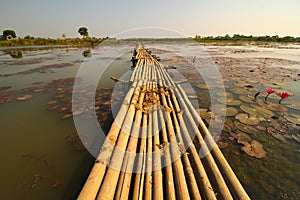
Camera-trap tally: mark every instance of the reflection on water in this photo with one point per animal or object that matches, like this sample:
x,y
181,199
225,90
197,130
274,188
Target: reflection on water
x,y
44,158
16,54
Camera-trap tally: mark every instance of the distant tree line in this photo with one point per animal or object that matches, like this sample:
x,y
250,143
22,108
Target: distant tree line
x,y
237,37
9,38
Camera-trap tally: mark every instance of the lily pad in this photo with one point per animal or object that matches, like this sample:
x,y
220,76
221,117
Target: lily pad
x,y
240,91
227,111
257,111
272,106
293,105
242,135
295,119
263,112
227,94
222,145
25,97
204,114
231,102
202,86
296,137
246,119
278,136
245,128
254,149
243,84
228,125
247,99
273,86
261,128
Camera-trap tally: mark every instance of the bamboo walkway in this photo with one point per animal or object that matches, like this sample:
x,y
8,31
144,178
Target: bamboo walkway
x,y
154,140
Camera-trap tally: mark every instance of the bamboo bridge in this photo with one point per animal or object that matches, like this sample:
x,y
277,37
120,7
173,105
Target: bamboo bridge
x,y
153,146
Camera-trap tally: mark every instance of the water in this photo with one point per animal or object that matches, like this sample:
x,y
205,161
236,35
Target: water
x,y
40,159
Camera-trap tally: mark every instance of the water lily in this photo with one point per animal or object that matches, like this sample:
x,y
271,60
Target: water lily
x,y
269,91
283,95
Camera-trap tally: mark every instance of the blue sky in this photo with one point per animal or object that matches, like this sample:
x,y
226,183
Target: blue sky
x,y
190,17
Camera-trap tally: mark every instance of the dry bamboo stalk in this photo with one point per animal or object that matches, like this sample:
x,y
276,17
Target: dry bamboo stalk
x,y
169,182
157,173
234,184
182,191
138,183
125,176
130,152
91,186
148,179
195,194
202,177
110,180
212,167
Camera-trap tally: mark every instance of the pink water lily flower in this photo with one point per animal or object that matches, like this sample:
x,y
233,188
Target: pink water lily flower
x,y
283,95
269,91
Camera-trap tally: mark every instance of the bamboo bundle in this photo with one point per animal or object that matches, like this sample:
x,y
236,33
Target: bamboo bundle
x,y
150,151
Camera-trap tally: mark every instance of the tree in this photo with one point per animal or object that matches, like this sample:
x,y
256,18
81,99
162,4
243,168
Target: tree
x,y
28,37
7,33
83,31
63,36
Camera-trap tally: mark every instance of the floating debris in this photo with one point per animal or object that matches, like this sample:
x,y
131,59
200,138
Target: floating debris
x,y
67,116
26,97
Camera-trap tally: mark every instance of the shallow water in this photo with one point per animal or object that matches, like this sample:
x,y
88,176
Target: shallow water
x,y
40,162
38,158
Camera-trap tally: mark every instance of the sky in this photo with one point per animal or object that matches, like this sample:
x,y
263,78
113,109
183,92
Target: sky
x,y
52,18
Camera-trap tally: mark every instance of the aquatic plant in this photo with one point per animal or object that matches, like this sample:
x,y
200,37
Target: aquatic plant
x,y
283,95
256,95
269,91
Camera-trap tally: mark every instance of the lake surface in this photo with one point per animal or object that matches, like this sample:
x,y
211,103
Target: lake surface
x,y
42,157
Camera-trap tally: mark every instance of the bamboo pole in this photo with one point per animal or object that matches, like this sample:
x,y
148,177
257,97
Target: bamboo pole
x,y
91,187
212,167
157,173
202,177
234,184
149,79
139,179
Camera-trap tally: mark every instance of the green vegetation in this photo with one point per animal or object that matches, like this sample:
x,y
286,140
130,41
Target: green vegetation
x,y
31,41
9,34
9,38
243,38
83,31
